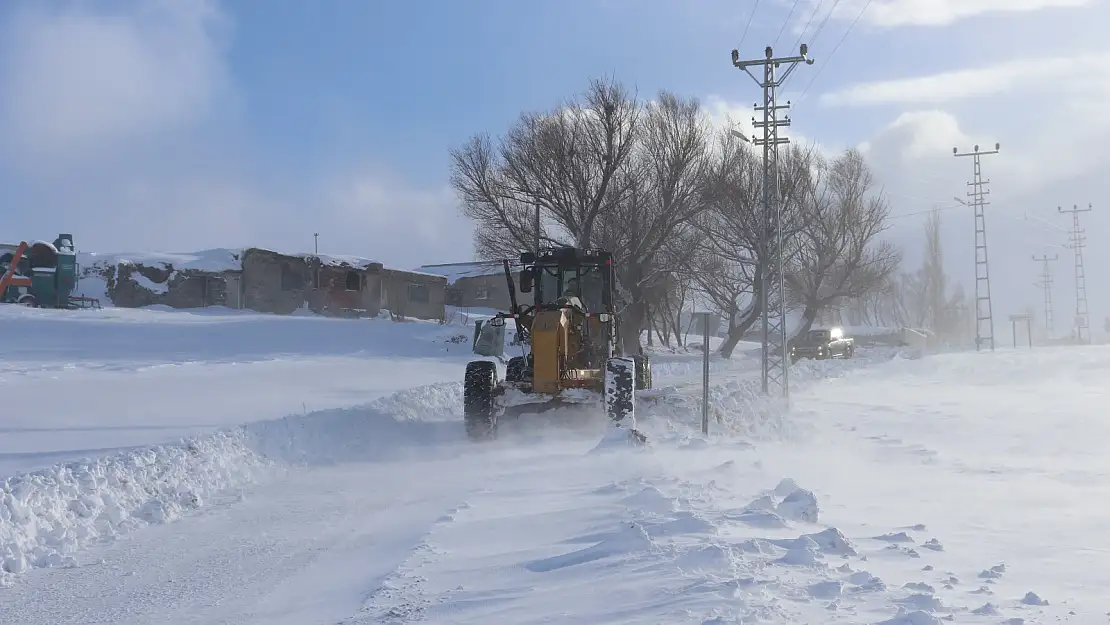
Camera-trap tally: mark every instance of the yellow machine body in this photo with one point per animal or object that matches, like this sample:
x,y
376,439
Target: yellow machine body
x,y
561,342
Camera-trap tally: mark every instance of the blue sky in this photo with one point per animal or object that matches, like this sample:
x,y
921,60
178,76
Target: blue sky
x,y
188,124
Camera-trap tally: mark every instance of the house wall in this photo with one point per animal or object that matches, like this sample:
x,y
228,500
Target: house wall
x,y
233,291
179,289
274,283
401,294
347,291
280,284
484,292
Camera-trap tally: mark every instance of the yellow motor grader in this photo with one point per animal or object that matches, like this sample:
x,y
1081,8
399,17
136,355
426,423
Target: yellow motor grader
x,y
569,333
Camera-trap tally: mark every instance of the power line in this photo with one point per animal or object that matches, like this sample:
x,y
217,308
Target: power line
x,y
749,24
785,22
835,48
812,15
821,26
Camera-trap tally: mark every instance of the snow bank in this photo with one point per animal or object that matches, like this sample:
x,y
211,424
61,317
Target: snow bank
x,y
737,405
48,516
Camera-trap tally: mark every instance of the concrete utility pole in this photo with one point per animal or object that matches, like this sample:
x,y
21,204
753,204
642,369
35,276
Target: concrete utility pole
x,y
773,292
1046,284
984,319
1078,241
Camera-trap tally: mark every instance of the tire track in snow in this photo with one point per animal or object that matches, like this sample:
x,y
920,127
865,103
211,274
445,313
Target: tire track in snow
x,y
400,597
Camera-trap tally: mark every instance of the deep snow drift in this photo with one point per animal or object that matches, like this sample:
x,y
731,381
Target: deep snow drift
x,y
88,383
893,491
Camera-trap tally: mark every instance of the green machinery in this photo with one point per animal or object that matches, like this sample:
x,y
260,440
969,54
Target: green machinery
x,y
42,274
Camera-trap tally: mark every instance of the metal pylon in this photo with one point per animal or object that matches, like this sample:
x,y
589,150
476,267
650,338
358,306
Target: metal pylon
x,y
1046,284
775,359
984,317
1078,242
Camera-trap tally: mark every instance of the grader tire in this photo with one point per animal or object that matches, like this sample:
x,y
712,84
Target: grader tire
x,y
478,389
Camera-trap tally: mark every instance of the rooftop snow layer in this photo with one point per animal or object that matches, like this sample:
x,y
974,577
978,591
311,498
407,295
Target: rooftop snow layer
x,y
334,260
219,259
457,271
214,260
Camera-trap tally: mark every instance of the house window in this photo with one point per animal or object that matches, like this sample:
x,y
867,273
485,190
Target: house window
x,y
291,280
354,281
481,292
418,293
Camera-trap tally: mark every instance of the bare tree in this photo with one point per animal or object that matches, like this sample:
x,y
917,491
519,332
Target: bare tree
x,y
838,254
659,198
563,161
607,171
733,255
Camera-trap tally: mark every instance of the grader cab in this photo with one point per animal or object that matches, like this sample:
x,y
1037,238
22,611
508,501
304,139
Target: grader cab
x,y
569,335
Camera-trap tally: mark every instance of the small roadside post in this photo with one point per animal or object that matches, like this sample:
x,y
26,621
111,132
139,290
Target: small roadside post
x,y
705,375
1028,319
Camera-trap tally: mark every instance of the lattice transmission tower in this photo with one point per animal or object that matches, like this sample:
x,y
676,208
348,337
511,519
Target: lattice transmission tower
x,y
772,304
1077,242
984,318
1046,284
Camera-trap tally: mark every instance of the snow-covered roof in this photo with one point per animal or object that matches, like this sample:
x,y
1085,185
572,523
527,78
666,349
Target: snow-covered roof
x,y
457,271
332,260
214,260
410,272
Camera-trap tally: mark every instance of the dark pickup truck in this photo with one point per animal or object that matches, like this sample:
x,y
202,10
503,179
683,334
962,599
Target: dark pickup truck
x,y
822,344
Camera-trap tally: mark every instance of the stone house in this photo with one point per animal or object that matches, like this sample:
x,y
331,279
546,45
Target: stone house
x,y
210,278
413,294
266,281
478,284
340,286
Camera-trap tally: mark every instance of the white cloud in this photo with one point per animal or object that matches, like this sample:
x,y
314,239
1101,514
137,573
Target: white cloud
x,y
895,13
1029,178
1080,71
121,127
78,82
724,115
401,224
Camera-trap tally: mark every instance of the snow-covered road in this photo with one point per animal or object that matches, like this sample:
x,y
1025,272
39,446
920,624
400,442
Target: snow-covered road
x,y
895,491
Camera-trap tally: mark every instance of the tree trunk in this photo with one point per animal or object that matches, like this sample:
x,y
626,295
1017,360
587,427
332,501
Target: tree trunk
x,y
744,321
632,324
809,314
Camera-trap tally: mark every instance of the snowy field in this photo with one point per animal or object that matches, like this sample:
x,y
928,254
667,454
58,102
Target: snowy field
x,y
326,479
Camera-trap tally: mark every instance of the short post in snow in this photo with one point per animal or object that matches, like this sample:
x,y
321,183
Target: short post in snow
x,y
1014,319
705,375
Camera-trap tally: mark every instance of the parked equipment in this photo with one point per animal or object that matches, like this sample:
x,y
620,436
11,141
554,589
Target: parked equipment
x,y
42,274
569,333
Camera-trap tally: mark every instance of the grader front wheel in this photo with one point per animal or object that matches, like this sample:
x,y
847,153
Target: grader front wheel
x,y
478,409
